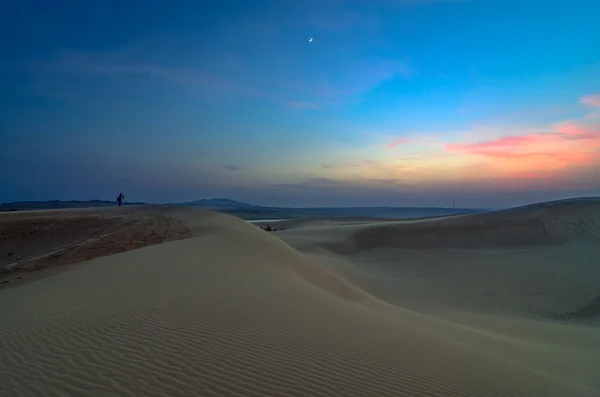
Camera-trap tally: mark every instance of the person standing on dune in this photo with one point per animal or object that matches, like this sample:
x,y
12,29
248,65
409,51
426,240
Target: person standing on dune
x,y
120,199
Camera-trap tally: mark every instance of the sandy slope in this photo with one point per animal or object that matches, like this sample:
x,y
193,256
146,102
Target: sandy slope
x,y
234,311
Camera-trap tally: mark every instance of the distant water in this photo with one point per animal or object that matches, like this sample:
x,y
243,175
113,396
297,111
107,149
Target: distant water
x,y
265,220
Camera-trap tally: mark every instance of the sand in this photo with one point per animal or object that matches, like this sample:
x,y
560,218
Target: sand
x,y
36,244
317,311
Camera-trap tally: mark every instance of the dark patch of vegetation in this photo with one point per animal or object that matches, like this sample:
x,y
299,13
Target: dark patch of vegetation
x,y
57,204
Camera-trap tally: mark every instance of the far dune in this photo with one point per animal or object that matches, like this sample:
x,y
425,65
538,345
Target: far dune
x,y
540,260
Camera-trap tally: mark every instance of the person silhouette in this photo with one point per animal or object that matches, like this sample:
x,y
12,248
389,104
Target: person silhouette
x,y
120,199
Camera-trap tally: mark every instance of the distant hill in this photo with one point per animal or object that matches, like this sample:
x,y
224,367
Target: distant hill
x,y
220,204
57,204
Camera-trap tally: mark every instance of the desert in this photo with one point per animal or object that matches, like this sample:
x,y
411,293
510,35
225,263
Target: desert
x,y
497,304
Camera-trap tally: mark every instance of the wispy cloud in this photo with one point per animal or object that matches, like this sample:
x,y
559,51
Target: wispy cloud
x,y
504,143
303,105
106,65
578,131
345,83
396,142
333,183
419,139
266,83
592,101
570,128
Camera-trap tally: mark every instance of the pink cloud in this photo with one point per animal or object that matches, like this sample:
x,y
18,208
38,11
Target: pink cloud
x,y
570,128
574,131
501,143
568,148
540,152
591,101
395,142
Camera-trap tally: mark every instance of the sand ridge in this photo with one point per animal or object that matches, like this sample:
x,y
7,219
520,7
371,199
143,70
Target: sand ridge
x,y
236,311
35,244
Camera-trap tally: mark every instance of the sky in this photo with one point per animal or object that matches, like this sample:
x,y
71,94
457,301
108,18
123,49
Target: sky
x,y
490,103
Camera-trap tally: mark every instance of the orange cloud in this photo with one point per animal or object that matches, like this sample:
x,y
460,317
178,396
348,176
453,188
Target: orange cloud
x,y
535,154
567,148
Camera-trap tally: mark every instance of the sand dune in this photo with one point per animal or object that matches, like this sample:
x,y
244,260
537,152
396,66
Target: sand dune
x,y
236,311
540,260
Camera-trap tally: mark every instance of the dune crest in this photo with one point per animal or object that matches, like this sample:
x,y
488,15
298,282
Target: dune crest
x,y
537,225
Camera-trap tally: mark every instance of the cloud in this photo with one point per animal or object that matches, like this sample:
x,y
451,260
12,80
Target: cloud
x,y
108,65
303,105
333,183
577,131
386,69
364,163
231,167
570,128
557,151
534,154
344,81
592,101
593,115
396,142
503,143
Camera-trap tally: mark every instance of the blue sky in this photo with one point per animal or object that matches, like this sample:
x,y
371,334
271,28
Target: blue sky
x,y
394,102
